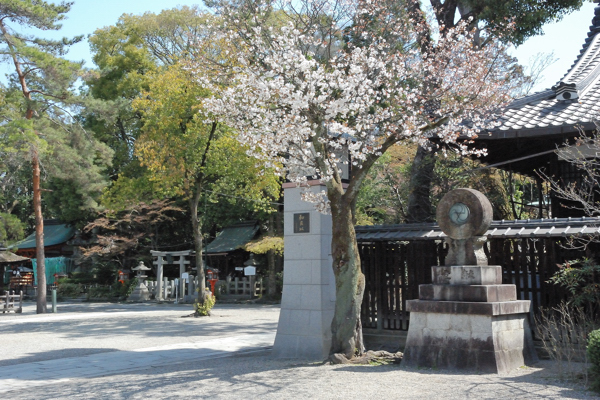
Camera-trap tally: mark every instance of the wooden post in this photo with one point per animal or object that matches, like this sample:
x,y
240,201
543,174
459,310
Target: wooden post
x,y
20,309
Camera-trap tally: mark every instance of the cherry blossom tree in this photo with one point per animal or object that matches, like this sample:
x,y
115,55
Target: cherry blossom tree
x,y
315,80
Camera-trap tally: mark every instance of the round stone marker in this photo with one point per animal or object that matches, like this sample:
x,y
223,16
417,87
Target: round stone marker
x,y
464,213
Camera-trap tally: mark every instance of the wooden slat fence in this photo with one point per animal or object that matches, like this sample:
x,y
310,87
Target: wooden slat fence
x,y
394,270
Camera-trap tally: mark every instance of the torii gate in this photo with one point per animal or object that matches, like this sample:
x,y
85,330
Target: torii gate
x,y
160,261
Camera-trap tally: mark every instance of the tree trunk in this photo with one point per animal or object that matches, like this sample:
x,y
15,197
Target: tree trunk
x,y
421,175
346,328
198,247
39,236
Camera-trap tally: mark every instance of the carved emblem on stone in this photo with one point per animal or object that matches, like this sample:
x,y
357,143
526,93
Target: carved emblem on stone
x,y
467,273
444,277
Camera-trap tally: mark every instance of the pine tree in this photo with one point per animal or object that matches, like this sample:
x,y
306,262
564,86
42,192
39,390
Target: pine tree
x,y
45,79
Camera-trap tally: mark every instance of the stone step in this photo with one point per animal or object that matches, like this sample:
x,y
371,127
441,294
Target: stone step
x,y
477,293
467,275
469,307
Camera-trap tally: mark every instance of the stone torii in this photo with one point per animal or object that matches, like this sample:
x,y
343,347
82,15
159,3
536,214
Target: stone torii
x,y
160,261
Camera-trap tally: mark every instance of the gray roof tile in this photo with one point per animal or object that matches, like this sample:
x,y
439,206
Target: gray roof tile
x,y
542,109
553,227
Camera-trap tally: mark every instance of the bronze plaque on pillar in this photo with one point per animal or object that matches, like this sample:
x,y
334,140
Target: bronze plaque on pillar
x,y
302,223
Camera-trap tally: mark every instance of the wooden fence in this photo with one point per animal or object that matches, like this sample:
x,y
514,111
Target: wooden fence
x,y
11,302
395,269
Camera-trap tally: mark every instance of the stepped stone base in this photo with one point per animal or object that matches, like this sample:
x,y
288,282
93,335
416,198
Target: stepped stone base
x,y
140,293
467,275
478,293
483,343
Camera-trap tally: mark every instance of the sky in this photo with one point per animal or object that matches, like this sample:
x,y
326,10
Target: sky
x,y
564,38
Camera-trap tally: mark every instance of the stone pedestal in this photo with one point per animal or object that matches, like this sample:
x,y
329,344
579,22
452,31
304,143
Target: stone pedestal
x,y
467,319
140,293
308,299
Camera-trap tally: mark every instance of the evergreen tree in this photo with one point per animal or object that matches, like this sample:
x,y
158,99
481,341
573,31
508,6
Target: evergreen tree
x,y
46,127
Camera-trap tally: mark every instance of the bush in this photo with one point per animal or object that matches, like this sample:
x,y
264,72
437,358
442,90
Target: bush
x,y
580,278
563,331
116,291
220,289
593,351
203,310
85,278
106,273
65,289
99,293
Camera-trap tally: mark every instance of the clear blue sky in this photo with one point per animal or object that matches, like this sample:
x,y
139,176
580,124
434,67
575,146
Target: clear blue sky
x,y
564,38
88,15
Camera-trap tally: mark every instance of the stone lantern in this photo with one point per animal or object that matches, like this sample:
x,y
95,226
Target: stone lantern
x,y
140,293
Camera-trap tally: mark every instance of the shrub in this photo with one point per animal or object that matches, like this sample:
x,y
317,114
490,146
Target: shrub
x,y
220,289
563,331
130,286
593,351
78,277
203,310
580,278
68,290
99,293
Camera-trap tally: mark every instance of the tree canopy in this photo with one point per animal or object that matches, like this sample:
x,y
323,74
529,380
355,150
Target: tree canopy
x,y
334,80
42,124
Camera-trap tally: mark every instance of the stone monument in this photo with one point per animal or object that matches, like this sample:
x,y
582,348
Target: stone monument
x,y
141,292
467,319
308,299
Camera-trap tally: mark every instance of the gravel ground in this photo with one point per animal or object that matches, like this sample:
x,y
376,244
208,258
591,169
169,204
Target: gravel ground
x,y
80,329
85,328
262,377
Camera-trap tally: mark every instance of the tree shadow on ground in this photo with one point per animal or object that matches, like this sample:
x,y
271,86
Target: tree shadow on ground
x,y
53,355
258,375
540,380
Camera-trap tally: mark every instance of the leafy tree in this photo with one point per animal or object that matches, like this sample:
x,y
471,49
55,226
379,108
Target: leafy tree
x,y
43,126
11,229
125,54
528,16
301,97
511,21
148,117
383,197
119,236
187,154
15,169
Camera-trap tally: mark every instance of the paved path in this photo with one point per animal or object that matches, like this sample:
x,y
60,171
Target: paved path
x,y
88,340
42,373
138,351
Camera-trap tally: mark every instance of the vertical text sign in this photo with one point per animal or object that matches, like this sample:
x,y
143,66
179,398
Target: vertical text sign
x,y
302,223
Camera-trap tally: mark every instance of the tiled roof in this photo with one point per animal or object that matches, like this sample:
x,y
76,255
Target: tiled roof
x,y
54,234
554,227
545,113
233,237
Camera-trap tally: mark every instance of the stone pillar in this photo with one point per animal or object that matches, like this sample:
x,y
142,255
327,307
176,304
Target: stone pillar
x,y
159,276
191,289
307,304
182,262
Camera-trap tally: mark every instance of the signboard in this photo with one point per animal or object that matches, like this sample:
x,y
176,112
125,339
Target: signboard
x,y
250,271
185,276
302,223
